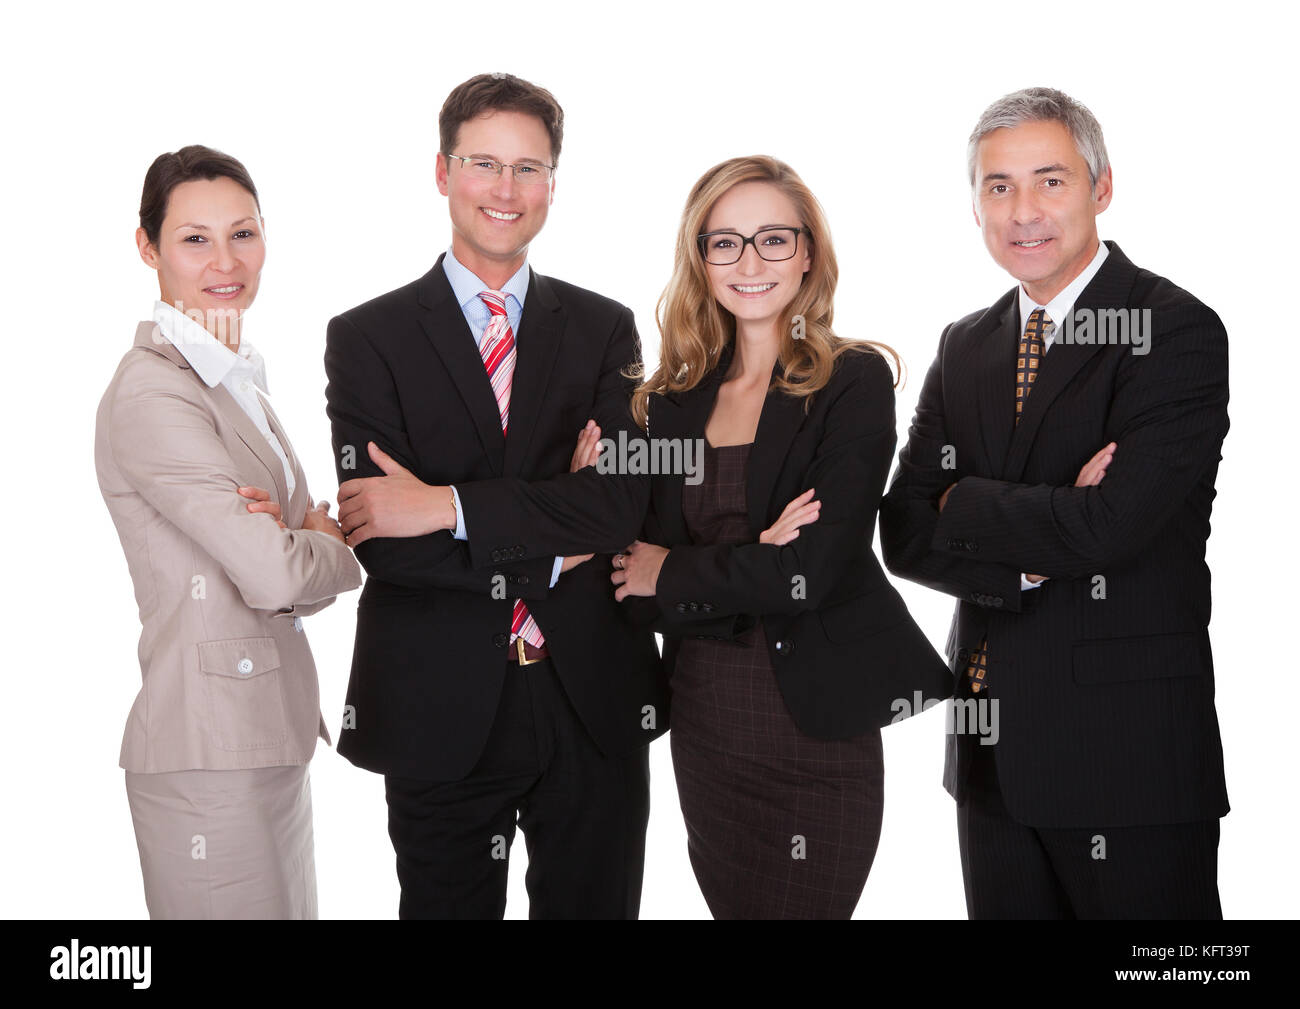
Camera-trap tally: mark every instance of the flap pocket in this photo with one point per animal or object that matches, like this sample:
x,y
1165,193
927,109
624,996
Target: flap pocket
x,y
861,615
1143,657
241,658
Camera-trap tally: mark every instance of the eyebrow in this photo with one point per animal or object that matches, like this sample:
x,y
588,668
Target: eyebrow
x,y
764,227
1056,169
204,227
493,157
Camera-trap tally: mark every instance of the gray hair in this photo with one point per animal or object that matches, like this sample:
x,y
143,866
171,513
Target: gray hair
x,y
1039,105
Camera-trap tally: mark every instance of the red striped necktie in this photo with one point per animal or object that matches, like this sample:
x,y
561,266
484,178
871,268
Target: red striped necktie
x,y
498,351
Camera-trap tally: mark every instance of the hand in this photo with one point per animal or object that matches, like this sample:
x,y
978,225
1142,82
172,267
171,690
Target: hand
x,y
943,498
262,503
569,563
799,512
397,504
318,520
588,449
1035,579
637,570
1095,468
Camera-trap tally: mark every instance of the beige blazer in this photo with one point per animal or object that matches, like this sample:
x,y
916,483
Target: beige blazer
x,y
228,678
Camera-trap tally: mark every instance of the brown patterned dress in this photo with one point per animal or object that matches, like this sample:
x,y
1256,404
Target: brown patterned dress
x,y
779,825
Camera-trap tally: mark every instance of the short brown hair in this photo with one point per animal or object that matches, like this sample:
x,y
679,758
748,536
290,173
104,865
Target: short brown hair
x,y
494,93
186,165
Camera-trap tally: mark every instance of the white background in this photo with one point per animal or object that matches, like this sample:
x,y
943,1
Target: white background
x,y
333,109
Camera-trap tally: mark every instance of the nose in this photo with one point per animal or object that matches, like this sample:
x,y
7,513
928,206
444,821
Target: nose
x,y
750,263
223,258
504,187
1025,208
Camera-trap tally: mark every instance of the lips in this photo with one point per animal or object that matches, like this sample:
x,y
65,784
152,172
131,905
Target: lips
x,y
504,216
224,292
1031,243
752,290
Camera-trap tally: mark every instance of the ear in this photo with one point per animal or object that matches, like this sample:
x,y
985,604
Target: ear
x,y
975,213
262,221
551,199
440,174
1104,190
147,252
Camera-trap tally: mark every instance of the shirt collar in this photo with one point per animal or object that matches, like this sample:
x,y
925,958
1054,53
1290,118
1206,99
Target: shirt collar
x,y
1059,307
467,286
211,359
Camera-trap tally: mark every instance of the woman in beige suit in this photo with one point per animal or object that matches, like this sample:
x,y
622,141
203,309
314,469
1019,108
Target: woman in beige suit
x,y
227,555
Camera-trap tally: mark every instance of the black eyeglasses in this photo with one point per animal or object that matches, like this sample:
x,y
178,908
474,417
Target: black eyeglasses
x,y
722,248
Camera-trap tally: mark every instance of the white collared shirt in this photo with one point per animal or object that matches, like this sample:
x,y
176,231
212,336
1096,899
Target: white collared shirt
x,y
243,373
1063,304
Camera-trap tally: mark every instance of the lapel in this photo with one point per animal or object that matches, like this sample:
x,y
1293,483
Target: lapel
x,y
1108,289
536,346
686,414
148,335
294,508
994,348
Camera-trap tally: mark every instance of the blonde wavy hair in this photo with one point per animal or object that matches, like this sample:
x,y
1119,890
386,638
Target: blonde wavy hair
x,y
694,329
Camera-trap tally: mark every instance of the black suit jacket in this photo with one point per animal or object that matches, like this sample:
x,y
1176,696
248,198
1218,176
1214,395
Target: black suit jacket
x,y
847,656
1103,675
430,652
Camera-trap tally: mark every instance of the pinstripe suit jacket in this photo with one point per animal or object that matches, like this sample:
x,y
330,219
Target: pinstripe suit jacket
x,y
1103,676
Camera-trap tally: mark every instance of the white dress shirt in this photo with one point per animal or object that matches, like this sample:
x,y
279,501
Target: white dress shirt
x,y
1057,309
243,373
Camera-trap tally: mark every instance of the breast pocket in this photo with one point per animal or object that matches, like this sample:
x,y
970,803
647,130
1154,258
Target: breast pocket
x,y
242,680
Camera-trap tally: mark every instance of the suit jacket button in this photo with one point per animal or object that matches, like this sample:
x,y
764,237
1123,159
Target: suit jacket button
x,y
297,624
501,640
963,654
784,646
997,600
694,607
681,607
708,607
496,555
522,579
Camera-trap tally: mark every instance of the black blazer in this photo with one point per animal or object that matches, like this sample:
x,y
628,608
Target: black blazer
x,y
844,650
1103,674
430,652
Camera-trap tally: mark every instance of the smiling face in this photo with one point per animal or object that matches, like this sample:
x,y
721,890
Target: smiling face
x,y
210,252
493,220
1035,205
755,290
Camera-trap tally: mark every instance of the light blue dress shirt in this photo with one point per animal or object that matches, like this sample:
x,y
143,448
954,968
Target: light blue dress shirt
x,y
467,287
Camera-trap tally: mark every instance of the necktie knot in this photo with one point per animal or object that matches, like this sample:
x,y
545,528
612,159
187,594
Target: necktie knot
x,y
495,301
1039,324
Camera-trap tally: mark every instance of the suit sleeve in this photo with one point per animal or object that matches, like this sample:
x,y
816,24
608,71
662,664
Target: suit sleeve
x,y
363,406
1169,416
909,513
167,448
848,473
574,513
307,609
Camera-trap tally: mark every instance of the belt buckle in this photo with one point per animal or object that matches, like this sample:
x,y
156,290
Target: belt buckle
x,y
522,660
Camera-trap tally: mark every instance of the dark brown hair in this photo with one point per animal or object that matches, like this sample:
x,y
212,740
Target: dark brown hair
x,y
498,93
186,165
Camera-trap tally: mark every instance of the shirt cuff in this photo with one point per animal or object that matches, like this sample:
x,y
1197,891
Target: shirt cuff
x,y
555,570
1025,583
460,518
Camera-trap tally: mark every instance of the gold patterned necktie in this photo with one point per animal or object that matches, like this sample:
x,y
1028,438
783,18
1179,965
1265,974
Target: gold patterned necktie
x,y
1028,359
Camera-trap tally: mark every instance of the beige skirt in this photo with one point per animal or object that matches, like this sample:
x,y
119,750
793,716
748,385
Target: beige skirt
x,y
225,844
